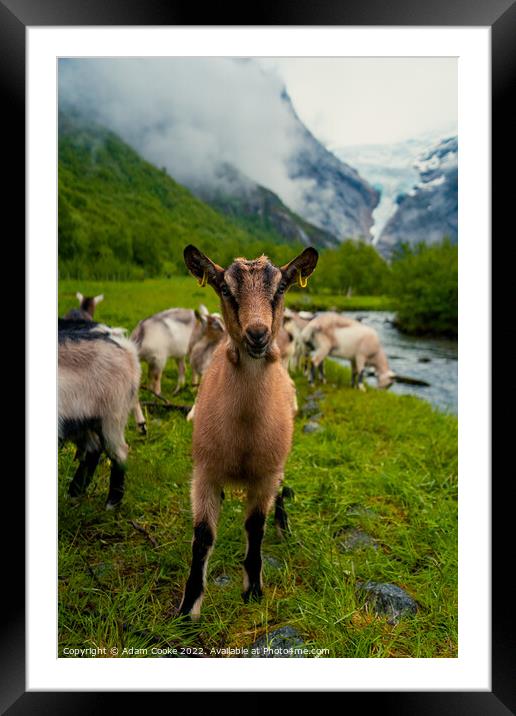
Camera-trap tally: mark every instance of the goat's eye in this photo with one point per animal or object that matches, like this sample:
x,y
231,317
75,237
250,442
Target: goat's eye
x,y
282,287
224,290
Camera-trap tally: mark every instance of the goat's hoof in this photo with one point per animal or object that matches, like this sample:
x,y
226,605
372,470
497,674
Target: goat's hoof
x,y
287,493
113,502
253,594
76,490
142,427
283,531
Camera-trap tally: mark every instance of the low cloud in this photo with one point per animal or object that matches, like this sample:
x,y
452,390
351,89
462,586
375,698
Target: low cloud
x,y
191,114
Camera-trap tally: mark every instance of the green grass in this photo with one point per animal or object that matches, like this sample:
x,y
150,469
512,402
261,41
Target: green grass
x,y
306,301
129,301
384,463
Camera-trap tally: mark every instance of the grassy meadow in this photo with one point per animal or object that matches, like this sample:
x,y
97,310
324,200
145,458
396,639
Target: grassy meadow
x,y
383,464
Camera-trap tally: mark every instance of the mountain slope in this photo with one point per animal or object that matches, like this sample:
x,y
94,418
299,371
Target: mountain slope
x,y
259,210
120,215
333,195
196,115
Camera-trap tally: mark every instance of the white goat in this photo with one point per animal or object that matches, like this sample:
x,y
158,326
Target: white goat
x,y
164,335
209,331
293,323
98,380
335,335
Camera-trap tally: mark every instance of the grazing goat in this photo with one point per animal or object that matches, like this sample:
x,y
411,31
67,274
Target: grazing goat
x,y
210,330
336,335
205,338
294,323
98,380
161,336
286,345
87,306
243,423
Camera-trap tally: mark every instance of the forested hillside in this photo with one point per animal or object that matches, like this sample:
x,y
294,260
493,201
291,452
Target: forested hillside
x,y
120,216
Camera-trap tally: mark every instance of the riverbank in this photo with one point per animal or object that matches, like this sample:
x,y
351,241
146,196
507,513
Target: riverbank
x,y
374,477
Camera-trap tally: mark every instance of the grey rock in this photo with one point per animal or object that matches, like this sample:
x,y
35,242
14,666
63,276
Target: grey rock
x,y
102,569
352,539
222,580
312,427
357,510
272,561
316,395
388,599
310,407
278,644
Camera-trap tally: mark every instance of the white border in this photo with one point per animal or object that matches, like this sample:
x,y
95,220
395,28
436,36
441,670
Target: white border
x,y
471,670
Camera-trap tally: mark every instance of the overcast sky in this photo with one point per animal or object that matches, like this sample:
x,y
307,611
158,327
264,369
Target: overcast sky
x,y
377,100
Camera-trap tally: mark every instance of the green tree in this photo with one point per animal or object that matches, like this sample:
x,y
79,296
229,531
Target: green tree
x,y
355,267
425,286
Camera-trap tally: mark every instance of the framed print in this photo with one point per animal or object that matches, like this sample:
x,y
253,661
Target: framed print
x,y
139,156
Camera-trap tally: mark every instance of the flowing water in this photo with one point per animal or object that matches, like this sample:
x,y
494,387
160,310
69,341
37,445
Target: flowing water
x,y
433,360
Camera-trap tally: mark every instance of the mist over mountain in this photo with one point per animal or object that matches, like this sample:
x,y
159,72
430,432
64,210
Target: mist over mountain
x,y
258,209
226,129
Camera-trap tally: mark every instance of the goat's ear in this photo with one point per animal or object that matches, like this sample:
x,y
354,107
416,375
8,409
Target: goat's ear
x,y
98,299
300,268
201,317
203,268
79,296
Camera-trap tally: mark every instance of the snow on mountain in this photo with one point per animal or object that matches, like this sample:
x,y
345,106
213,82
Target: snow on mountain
x,y
428,212
392,169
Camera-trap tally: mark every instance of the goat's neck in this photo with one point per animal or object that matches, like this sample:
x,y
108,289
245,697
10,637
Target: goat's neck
x,y
242,364
380,362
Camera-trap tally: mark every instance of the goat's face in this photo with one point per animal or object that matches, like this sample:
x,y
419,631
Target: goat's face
x,y
385,380
214,328
251,294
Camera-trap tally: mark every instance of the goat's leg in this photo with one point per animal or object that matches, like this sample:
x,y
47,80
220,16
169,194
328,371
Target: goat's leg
x,y
196,378
280,515
84,473
360,369
155,372
354,373
322,376
258,506
117,449
206,499
316,361
181,370
89,450
139,418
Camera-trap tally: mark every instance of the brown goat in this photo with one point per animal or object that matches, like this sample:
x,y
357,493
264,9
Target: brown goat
x,y
244,410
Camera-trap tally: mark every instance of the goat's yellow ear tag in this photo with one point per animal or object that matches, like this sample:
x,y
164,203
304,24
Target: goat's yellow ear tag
x,y
301,281
204,280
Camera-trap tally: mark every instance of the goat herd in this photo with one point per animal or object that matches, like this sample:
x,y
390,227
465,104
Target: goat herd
x,y
243,415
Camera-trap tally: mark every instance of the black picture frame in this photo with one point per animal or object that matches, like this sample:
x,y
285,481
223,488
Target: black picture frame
x,y
500,16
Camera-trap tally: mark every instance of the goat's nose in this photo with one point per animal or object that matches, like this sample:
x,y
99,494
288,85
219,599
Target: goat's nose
x,y
257,334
